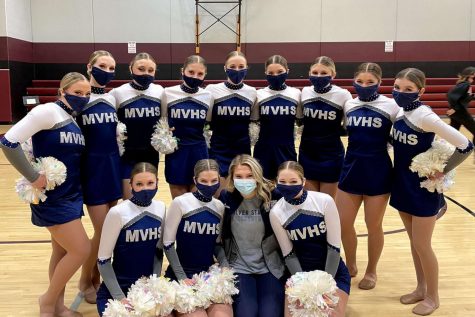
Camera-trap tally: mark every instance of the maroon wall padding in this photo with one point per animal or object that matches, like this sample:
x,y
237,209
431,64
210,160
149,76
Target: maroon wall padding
x,y
20,51
434,51
5,100
298,52
3,48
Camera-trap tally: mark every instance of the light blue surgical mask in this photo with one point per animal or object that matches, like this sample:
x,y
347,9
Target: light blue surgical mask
x,y
245,186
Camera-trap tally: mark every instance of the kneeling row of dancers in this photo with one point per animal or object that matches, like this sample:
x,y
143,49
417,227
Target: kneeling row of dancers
x,y
301,232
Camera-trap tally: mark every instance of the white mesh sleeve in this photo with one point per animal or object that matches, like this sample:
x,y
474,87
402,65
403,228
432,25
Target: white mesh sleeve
x,y
332,221
172,221
39,118
280,233
110,233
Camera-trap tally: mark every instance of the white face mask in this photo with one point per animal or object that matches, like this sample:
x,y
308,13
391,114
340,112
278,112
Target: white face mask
x,y
245,186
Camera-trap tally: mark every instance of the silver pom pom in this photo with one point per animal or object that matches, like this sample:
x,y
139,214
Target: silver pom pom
x,y
254,129
163,140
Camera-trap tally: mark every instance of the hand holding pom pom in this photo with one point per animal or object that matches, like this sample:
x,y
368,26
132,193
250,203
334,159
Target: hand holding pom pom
x,y
55,173
217,285
431,163
311,294
163,140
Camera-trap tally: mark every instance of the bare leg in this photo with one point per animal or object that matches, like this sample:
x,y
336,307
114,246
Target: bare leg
x,y
177,190
126,189
374,207
220,310
73,239
422,229
348,205
312,185
97,214
419,293
197,313
329,188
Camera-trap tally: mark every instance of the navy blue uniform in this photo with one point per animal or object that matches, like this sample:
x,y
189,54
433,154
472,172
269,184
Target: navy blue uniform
x,y
187,113
276,110
139,110
54,133
230,123
194,225
321,151
367,168
100,168
129,239
413,134
308,228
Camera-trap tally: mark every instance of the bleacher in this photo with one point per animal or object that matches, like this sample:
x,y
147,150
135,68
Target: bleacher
x,y
435,94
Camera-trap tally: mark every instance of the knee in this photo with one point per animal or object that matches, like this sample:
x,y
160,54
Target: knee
x,y
374,227
83,250
421,246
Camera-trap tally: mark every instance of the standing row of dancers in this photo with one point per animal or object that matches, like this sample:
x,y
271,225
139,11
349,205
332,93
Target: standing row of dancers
x,y
80,130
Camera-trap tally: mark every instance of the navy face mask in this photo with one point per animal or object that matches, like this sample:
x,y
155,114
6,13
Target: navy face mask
x,y
365,92
101,76
77,103
207,190
236,76
143,197
289,191
143,80
405,99
276,81
320,82
192,82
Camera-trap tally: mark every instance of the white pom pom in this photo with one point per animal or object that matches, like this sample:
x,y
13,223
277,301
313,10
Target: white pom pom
x,y
254,130
188,299
207,133
55,173
164,294
217,285
311,294
163,140
121,136
27,148
115,308
431,161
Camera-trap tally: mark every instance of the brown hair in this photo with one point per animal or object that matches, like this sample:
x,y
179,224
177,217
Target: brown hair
x,y
413,75
325,61
95,56
264,186
193,59
205,165
293,166
69,79
371,68
143,167
465,73
277,59
141,56
232,54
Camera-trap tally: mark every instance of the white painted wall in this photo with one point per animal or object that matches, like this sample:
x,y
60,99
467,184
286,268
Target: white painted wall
x,y
173,21
3,20
68,21
429,20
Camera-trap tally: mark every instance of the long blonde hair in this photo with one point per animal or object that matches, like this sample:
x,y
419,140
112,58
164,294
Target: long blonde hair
x,y
264,186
